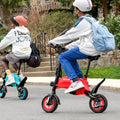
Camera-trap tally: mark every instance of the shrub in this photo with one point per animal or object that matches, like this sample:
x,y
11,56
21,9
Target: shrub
x,y
56,22
113,24
3,32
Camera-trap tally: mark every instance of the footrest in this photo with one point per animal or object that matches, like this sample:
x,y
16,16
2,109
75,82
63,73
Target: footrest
x,y
52,83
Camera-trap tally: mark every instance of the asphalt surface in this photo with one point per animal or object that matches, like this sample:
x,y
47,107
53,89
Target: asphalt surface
x,y
71,108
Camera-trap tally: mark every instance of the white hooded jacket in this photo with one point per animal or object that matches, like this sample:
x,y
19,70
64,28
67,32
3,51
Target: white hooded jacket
x,y
19,38
83,32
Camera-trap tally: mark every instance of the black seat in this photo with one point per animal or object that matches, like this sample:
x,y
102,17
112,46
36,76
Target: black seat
x,y
91,58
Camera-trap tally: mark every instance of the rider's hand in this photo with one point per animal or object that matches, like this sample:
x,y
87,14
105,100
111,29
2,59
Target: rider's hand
x,y
66,49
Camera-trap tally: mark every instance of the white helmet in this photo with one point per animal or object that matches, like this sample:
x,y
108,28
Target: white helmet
x,y
83,5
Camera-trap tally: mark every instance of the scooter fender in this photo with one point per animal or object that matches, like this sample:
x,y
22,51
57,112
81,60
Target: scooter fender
x,y
95,89
63,82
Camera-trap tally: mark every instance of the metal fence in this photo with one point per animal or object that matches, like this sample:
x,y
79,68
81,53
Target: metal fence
x,y
40,42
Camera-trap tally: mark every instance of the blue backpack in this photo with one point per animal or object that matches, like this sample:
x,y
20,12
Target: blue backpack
x,y
103,40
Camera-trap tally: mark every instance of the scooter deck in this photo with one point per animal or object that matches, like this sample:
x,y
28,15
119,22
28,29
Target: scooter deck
x,y
65,82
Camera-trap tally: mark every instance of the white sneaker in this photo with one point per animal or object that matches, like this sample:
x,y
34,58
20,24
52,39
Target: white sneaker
x,y
74,86
21,77
10,81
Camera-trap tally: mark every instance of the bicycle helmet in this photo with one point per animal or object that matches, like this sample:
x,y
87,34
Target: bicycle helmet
x,y
83,5
19,21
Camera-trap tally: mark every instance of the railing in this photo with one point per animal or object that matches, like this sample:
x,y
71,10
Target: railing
x,y
52,56
52,60
40,42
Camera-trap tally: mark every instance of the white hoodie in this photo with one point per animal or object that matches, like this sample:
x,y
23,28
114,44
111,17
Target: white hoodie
x,y
83,32
19,38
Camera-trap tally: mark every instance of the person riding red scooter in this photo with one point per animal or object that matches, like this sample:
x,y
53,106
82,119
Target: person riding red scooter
x,y
81,48
98,102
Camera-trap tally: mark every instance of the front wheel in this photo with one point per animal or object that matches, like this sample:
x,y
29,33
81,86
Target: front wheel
x,y
22,93
99,104
3,91
49,104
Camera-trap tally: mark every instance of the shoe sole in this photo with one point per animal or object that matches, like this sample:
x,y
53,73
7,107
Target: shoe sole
x,y
10,83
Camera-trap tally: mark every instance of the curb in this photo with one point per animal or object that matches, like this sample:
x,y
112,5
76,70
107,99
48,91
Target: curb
x,y
109,84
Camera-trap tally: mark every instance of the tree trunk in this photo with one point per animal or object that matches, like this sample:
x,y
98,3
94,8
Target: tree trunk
x,y
105,10
117,8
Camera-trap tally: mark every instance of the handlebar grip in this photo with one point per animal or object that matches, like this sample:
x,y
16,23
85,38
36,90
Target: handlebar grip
x,y
4,52
51,45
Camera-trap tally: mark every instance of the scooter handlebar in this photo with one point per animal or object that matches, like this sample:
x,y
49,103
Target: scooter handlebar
x,y
4,52
58,48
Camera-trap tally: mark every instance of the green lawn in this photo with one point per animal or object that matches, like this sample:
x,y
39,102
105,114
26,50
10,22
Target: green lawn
x,y
112,72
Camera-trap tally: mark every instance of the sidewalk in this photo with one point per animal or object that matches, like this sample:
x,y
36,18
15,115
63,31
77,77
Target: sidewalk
x,y
113,83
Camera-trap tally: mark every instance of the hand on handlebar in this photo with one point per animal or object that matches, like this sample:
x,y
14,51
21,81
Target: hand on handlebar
x,y
66,49
4,52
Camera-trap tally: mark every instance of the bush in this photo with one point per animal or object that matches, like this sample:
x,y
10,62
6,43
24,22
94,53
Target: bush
x,y
113,24
56,22
3,32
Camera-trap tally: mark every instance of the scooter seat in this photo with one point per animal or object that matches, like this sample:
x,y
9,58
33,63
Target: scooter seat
x,y
91,58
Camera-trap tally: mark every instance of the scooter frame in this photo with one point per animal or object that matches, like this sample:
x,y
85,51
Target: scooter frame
x,y
22,91
47,102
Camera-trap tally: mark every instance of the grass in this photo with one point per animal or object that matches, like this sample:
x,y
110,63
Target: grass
x,y
112,72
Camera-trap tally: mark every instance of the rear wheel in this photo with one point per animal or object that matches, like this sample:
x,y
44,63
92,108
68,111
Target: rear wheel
x,y
49,104
99,104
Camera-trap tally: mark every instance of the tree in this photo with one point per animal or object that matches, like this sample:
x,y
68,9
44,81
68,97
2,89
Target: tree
x,y
66,3
117,7
105,4
53,25
6,7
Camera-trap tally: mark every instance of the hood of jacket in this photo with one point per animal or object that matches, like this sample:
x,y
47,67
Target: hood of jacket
x,y
22,29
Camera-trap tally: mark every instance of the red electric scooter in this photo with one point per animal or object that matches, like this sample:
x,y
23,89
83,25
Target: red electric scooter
x,y
98,103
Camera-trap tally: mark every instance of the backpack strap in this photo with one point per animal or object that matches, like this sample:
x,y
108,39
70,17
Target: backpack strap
x,y
78,21
81,18
90,19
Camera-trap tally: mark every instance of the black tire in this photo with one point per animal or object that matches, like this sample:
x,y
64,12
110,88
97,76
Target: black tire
x,y
53,104
23,93
3,92
99,104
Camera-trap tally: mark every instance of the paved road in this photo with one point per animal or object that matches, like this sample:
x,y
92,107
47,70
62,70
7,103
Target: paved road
x,y
71,108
